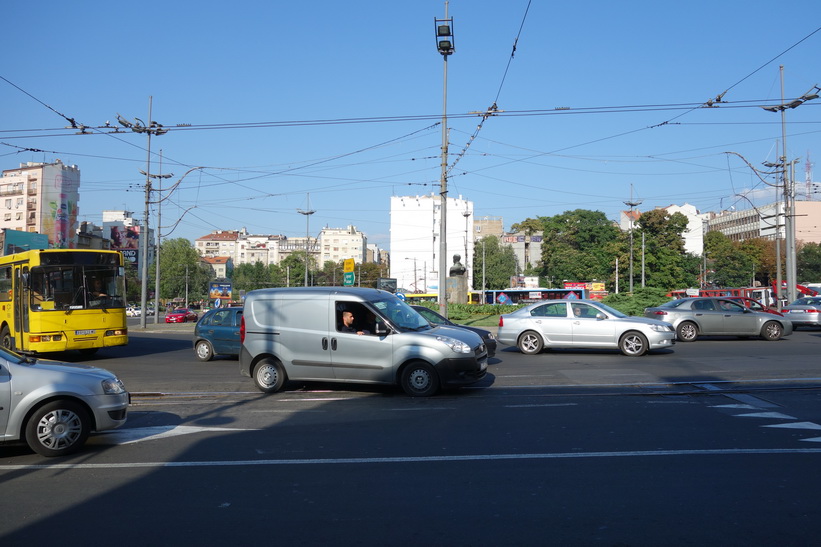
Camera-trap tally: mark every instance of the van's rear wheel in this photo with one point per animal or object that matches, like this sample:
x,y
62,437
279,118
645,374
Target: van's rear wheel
x,y
419,380
269,376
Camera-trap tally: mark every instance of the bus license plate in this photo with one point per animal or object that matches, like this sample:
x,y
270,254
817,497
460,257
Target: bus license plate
x,y
83,332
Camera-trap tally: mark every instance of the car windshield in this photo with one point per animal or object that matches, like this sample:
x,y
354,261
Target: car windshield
x,y
807,302
611,311
401,314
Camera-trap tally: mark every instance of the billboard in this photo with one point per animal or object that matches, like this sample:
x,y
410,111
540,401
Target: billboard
x,y
220,291
125,239
17,241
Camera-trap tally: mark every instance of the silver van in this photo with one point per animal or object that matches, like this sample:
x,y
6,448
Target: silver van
x,y
351,334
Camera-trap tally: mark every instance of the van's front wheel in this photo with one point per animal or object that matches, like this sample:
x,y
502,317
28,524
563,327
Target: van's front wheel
x,y
419,380
269,376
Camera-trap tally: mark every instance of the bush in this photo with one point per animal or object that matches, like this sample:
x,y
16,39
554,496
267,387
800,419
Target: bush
x,y
634,304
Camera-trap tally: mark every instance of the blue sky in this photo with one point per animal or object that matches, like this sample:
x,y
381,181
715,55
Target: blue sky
x,y
341,101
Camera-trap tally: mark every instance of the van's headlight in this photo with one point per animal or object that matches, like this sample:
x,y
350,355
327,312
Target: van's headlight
x,y
113,386
456,345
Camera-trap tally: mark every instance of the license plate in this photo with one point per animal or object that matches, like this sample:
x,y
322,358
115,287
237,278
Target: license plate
x,y
83,332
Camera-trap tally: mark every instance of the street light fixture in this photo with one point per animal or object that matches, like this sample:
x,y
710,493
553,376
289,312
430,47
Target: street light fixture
x,y
445,45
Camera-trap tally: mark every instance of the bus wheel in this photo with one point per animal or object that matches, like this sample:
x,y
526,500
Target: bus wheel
x,y
5,339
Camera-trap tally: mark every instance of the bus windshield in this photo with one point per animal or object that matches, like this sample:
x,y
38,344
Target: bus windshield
x,y
76,287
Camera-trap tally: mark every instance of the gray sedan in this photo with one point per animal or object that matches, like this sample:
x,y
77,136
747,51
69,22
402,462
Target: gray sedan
x,y
805,311
693,317
582,324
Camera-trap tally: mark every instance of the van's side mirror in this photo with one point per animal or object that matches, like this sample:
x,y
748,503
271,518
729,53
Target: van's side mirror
x,y
380,328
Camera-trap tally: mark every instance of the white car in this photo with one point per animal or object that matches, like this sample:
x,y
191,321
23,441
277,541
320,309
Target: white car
x,y
582,324
54,406
133,311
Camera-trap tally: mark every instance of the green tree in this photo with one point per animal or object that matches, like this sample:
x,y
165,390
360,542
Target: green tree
x,y
808,263
666,264
181,270
579,246
727,264
497,261
247,277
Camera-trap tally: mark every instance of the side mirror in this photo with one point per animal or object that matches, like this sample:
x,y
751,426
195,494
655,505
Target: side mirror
x,y
380,328
600,316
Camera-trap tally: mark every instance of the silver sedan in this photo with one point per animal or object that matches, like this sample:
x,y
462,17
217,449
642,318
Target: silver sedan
x,y
693,317
805,311
582,324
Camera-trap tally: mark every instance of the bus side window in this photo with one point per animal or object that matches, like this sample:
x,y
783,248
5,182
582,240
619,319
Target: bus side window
x,y
5,284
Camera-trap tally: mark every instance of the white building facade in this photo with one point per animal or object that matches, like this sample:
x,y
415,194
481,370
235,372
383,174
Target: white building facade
x,y
415,236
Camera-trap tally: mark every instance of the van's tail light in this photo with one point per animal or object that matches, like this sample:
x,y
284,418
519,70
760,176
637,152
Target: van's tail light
x,y
501,320
242,330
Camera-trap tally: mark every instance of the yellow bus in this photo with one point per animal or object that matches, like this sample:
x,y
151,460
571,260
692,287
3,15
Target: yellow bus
x,y
55,300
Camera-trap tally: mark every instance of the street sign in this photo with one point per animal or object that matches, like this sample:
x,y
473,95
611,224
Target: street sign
x,y
347,265
348,278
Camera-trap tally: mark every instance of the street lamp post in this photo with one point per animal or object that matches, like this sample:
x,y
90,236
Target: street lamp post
x,y
150,128
445,46
632,203
788,188
308,212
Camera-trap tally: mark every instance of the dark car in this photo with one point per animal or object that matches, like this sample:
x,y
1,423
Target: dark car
x,y
181,315
692,317
436,319
217,333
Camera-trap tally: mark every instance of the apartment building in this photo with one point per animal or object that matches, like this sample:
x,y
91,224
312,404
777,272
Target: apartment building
x,y
43,198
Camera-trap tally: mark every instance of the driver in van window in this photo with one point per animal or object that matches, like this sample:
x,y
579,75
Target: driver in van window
x,y
347,324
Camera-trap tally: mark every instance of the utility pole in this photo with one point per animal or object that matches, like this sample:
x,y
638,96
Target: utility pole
x,y
308,212
157,248
445,46
632,203
150,128
788,186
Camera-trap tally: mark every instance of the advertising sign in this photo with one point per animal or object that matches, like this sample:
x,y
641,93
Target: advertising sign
x,y
220,291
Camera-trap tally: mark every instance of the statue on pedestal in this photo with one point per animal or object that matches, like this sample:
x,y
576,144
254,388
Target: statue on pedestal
x,y
457,268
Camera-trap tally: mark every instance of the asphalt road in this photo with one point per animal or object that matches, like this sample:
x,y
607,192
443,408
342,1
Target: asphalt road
x,y
716,442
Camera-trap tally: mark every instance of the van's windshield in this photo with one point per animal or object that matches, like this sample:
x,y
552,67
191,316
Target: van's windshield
x,y
401,315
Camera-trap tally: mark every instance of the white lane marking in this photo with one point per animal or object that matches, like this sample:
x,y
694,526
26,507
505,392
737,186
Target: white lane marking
x,y
796,425
813,440
139,434
424,459
540,405
773,415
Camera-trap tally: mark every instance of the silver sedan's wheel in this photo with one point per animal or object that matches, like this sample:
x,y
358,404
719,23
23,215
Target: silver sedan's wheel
x,y
530,342
58,428
772,330
633,344
204,351
687,332
269,376
419,380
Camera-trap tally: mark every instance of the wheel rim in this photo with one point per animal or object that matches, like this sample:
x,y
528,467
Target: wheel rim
x,y
773,331
203,351
267,375
633,344
688,332
419,379
59,429
529,343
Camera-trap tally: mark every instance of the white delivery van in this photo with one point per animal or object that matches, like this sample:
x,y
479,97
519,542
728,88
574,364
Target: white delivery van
x,y
300,334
